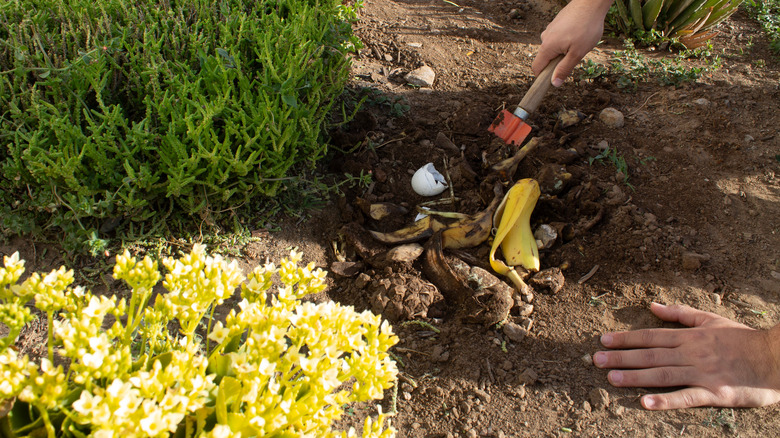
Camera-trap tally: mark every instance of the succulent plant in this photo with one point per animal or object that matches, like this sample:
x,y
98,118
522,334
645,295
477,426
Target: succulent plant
x,y
689,21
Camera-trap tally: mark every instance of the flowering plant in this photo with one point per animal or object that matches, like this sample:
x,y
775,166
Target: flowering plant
x,y
116,367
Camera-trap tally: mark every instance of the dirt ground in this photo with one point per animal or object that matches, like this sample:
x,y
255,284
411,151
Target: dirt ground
x,y
694,220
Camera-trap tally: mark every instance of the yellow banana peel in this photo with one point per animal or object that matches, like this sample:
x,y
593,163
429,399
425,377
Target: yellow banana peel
x,y
513,233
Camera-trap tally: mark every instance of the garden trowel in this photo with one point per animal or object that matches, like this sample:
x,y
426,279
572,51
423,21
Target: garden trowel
x,y
511,126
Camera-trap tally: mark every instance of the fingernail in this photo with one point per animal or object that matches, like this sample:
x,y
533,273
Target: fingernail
x,y
659,304
606,339
615,377
600,359
649,402
557,82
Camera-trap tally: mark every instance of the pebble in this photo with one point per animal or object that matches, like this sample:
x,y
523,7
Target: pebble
x,y
692,261
421,77
702,101
587,359
527,310
484,396
528,377
599,398
717,299
586,406
748,138
603,145
775,275
612,118
514,332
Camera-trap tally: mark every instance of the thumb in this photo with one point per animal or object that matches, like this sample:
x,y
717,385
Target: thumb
x,y
564,69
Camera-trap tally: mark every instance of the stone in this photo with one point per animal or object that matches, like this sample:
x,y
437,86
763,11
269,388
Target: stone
x,y
702,102
587,359
421,77
691,261
528,377
612,118
599,398
514,332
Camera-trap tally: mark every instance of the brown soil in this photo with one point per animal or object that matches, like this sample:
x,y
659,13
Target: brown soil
x,y
697,223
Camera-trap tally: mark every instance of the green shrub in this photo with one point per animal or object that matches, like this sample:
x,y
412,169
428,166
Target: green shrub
x,y
139,109
689,21
275,367
767,13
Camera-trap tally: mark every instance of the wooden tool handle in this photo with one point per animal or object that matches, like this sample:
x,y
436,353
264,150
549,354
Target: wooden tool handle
x,y
539,88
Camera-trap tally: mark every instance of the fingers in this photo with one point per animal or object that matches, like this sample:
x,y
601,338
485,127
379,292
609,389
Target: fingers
x,y
661,377
684,398
683,314
644,358
645,338
564,68
543,57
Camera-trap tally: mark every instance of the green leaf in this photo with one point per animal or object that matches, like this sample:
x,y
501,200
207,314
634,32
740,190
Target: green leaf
x,y
636,13
290,100
650,12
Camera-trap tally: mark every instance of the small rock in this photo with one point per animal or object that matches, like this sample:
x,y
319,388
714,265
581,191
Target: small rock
x,y
416,425
692,261
362,281
484,396
507,365
415,45
443,142
528,377
775,275
599,398
586,407
702,102
514,332
587,359
527,323
346,269
407,396
618,410
603,145
526,310
612,118
471,433
717,299
748,138
388,57
421,77
515,14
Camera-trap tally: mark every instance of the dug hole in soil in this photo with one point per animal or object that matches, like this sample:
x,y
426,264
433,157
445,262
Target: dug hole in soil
x,y
694,220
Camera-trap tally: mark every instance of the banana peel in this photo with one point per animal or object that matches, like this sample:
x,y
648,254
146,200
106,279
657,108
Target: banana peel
x,y
421,229
513,233
475,229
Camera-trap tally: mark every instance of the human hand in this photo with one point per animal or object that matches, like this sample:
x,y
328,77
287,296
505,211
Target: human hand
x,y
721,362
574,32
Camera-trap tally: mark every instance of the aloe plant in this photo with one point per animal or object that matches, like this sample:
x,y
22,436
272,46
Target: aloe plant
x,y
689,21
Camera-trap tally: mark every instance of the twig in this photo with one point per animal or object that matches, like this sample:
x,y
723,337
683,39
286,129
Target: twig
x,y
587,276
409,350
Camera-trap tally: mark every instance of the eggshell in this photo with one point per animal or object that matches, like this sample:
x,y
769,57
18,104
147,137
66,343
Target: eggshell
x,y
427,181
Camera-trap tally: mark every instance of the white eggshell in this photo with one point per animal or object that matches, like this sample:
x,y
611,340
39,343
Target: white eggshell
x,y
427,181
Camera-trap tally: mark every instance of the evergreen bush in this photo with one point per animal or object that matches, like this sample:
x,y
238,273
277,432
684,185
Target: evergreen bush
x,y
122,110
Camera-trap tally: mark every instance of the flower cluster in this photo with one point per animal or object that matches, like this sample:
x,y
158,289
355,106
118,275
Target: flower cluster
x,y
274,366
